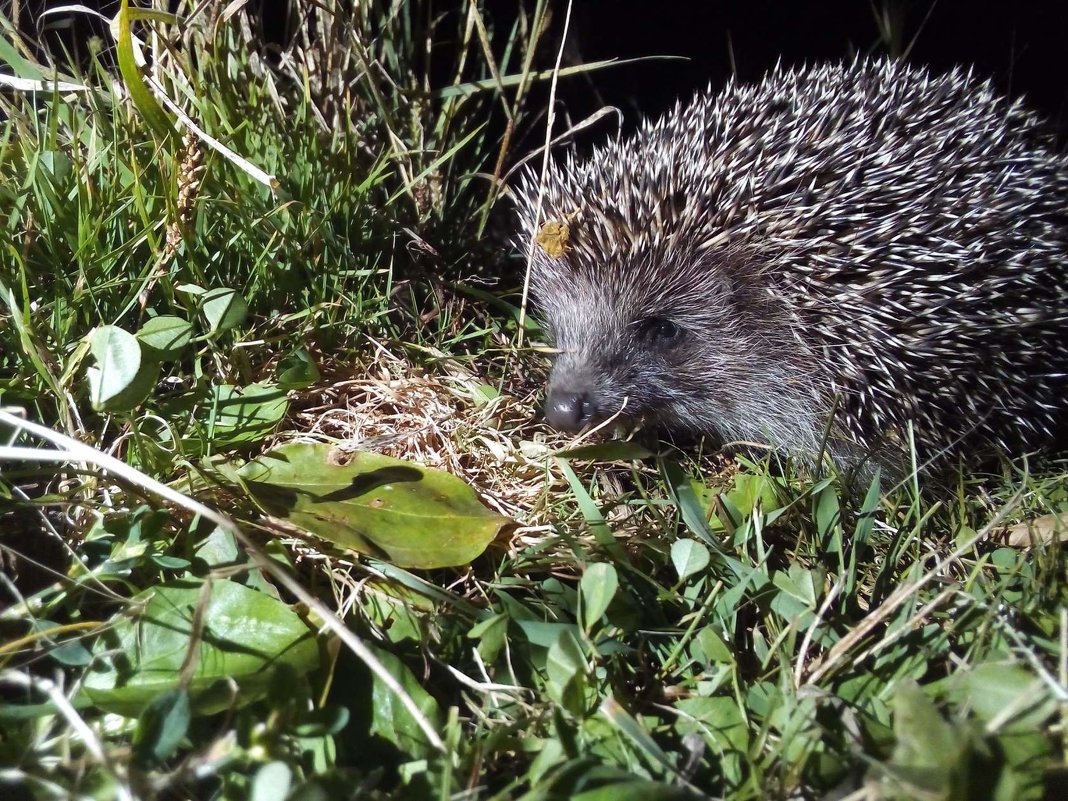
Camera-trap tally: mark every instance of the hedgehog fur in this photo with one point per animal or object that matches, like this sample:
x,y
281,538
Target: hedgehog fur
x,y
841,250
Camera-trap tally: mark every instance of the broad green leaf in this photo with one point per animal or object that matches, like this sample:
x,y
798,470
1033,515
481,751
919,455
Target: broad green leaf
x,y
162,727
566,666
121,379
492,635
237,635
597,589
271,782
223,309
804,585
1007,693
397,611
755,489
9,54
540,633
64,644
192,290
322,722
719,720
930,755
297,370
550,755
57,165
791,610
387,508
242,415
218,548
924,737
689,557
389,717
483,393
712,646
166,336
118,358
693,514
828,517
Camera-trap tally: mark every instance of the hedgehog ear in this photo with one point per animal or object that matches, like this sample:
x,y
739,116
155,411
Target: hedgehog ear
x,y
715,276
724,290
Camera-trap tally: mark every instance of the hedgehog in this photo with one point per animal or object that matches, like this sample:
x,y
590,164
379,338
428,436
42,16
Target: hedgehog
x,y
861,259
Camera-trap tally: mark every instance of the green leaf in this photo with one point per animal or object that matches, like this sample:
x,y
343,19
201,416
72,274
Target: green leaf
x,y
616,450
297,371
929,758
372,504
229,632
828,517
636,790
492,634
323,722
483,393
566,667
271,782
192,290
71,652
597,589
631,728
223,309
120,380
689,557
924,737
140,94
162,727
754,490
1006,693
693,514
9,54
56,165
390,719
602,532
242,415
804,585
218,548
166,336
718,720
712,646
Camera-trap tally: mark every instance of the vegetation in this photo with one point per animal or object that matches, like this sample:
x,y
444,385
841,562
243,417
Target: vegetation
x,y
245,335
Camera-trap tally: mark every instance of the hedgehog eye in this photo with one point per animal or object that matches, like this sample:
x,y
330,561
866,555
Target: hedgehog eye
x,y
660,331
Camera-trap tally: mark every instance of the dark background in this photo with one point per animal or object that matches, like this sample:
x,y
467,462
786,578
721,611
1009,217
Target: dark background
x,y
1022,46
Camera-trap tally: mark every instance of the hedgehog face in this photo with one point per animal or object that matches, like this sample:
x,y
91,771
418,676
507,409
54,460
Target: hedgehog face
x,y
626,366
682,347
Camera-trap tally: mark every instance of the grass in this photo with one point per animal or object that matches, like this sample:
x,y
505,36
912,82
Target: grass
x,y
668,625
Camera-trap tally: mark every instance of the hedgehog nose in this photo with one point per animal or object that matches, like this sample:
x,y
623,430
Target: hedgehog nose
x,y
568,411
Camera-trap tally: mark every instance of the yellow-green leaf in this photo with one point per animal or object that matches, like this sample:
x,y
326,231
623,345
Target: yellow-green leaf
x,y
140,94
373,504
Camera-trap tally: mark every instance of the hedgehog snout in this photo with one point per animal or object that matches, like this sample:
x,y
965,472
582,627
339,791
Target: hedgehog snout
x,y
567,410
